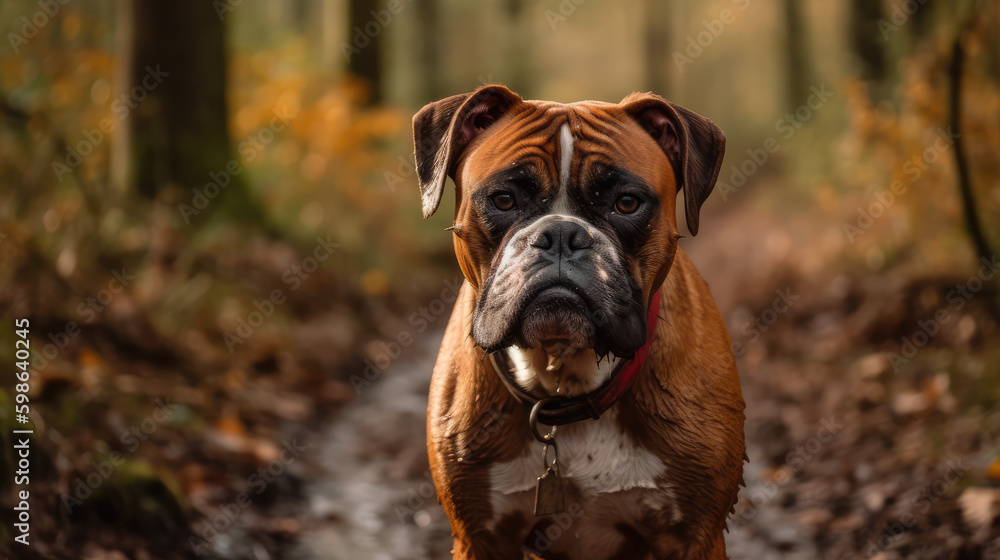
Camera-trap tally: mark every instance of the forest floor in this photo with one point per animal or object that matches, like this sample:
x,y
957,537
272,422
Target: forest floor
x,y
276,451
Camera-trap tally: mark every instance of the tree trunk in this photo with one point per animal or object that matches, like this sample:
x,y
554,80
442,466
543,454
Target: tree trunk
x,y
972,224
332,35
170,99
430,50
657,44
365,38
866,40
517,63
797,77
122,138
923,22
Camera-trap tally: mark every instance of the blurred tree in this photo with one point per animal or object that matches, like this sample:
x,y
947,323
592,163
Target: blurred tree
x,y
866,40
170,82
923,20
330,28
302,12
797,74
365,38
281,15
517,57
657,45
430,50
970,209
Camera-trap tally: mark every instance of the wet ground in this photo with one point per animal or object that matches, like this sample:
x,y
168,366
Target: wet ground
x,y
377,494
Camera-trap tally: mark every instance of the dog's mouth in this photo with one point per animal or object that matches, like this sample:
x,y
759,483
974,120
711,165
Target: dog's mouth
x,y
558,342
558,320
561,373
560,316
562,342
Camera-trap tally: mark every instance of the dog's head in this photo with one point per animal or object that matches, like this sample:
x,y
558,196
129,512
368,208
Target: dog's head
x,y
565,220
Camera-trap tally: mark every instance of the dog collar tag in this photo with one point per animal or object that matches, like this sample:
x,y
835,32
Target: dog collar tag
x,y
549,494
549,489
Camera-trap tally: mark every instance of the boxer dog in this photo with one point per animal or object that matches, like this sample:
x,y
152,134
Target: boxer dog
x,y
585,403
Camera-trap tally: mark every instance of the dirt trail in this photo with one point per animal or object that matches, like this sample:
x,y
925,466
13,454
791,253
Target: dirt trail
x,y
376,494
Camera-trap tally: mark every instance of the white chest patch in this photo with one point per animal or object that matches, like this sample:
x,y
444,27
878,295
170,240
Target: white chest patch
x,y
582,373
596,456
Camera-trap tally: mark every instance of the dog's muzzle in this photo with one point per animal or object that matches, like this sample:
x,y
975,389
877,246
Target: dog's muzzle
x,y
560,280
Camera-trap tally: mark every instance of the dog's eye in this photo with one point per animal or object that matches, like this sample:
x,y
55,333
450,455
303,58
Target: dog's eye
x,y
627,204
503,201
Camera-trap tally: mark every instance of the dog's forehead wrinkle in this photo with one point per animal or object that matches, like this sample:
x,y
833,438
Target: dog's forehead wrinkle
x,y
556,151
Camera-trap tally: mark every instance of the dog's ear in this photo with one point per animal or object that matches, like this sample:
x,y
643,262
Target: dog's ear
x,y
444,129
693,144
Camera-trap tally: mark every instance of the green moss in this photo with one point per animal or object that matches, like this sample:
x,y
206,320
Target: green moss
x,y
978,391
137,498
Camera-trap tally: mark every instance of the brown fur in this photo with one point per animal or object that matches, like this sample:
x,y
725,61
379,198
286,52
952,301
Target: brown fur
x,y
685,405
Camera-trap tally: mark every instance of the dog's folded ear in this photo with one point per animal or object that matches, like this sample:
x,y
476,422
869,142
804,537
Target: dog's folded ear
x,y
444,129
693,144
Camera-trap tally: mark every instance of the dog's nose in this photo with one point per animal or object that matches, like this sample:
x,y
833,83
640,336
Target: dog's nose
x,y
563,237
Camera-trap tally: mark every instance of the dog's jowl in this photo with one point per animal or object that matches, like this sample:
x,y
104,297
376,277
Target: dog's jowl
x,y
582,320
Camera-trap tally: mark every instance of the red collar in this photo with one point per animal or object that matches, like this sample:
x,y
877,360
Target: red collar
x,y
559,411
